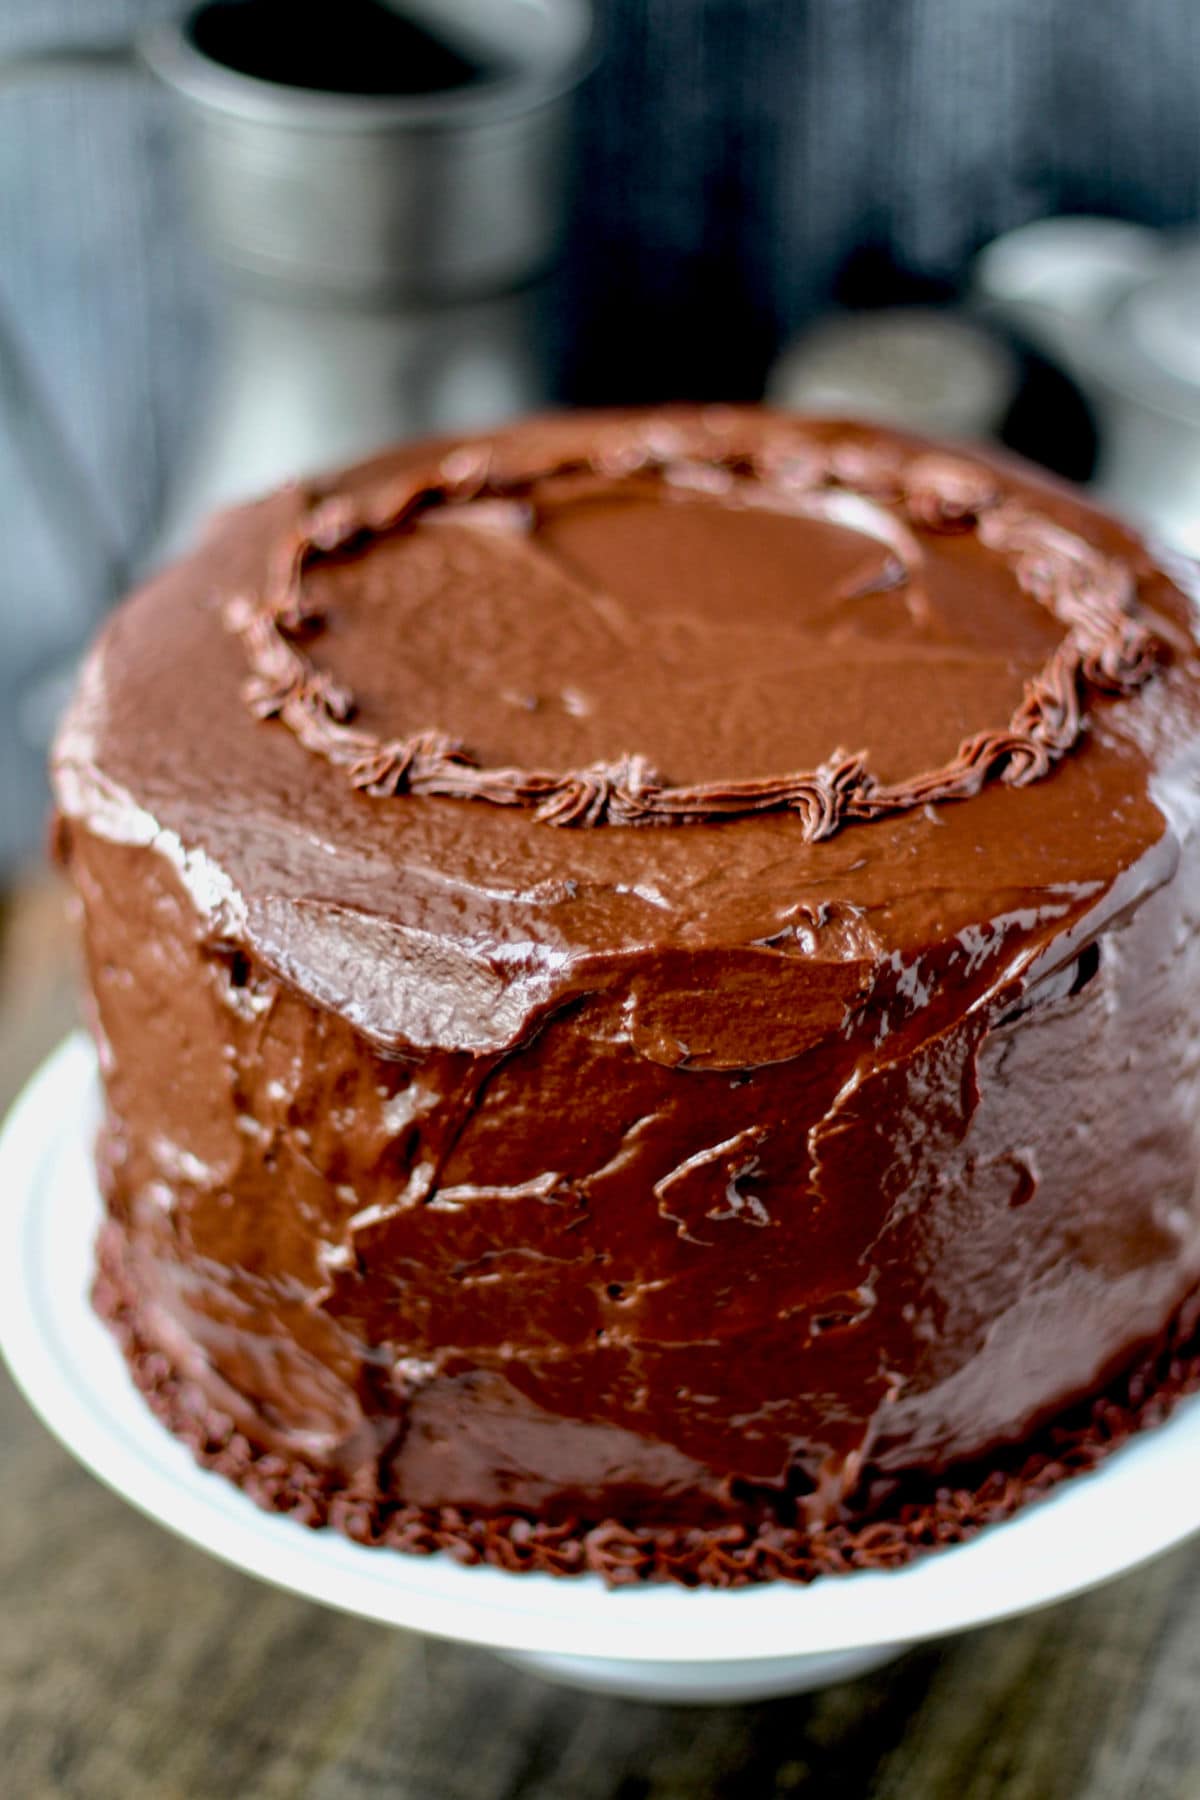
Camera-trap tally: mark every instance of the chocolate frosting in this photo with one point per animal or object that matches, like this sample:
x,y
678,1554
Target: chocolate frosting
x,y
843,482
694,1180
884,1531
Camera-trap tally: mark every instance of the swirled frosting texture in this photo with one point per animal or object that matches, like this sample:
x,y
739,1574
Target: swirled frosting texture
x,y
705,1178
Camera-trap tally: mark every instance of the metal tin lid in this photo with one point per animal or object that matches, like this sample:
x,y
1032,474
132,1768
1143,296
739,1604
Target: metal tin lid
x,y
928,369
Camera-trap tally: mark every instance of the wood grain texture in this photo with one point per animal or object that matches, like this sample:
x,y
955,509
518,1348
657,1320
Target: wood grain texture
x,y
133,1667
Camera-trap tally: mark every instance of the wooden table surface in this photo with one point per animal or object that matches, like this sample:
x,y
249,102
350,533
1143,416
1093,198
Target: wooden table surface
x,y
134,1668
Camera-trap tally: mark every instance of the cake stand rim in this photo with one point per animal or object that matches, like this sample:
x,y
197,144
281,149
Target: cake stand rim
x,y
64,1361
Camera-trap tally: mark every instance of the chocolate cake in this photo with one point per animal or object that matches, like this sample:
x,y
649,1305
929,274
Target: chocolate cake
x,y
645,972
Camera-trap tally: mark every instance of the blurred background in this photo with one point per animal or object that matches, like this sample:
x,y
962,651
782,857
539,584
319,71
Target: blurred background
x,y
740,169
246,241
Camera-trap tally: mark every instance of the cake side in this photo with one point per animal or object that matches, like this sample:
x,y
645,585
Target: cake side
x,y
884,1530
697,1179
608,1339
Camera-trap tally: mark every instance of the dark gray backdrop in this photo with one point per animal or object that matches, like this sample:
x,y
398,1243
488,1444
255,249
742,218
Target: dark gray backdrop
x,y
742,162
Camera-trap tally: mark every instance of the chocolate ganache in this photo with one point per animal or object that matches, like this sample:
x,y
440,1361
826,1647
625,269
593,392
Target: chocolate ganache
x,y
643,974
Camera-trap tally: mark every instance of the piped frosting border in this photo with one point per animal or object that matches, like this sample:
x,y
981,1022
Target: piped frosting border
x,y
1105,649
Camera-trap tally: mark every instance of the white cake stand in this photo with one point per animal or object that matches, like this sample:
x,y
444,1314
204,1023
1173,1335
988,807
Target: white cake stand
x,y
661,1643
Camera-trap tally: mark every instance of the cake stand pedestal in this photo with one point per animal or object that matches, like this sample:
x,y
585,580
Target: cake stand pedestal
x,y
708,1683
656,1643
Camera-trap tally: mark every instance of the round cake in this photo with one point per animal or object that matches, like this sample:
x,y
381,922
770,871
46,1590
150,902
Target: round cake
x,y
645,973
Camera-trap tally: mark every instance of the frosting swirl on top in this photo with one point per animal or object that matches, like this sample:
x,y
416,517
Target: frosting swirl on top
x,y
880,489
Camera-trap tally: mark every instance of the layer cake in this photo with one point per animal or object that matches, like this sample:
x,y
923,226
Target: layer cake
x,y
645,976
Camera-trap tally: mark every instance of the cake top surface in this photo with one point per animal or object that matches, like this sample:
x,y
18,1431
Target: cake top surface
x,y
437,735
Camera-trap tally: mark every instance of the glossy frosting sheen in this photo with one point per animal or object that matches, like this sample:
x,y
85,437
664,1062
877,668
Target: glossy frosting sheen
x,y
718,1175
